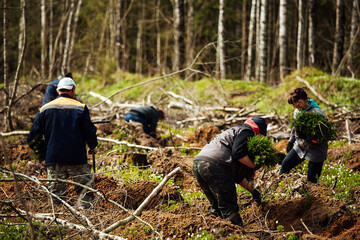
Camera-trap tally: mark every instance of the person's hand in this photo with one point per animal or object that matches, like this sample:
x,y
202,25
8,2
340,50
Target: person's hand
x,y
256,195
93,151
289,146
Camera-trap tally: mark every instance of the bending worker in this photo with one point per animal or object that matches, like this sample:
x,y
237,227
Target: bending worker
x,y
148,116
66,125
225,161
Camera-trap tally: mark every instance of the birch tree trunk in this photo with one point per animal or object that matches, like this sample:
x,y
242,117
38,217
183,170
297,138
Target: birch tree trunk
x,y
283,62
158,38
73,34
9,124
312,31
51,24
299,36
354,29
65,56
339,35
118,35
262,42
257,40
179,32
243,38
6,69
250,51
43,38
220,43
138,66
190,33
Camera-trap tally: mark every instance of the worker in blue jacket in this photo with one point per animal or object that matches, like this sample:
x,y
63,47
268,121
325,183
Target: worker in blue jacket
x,y
67,128
51,90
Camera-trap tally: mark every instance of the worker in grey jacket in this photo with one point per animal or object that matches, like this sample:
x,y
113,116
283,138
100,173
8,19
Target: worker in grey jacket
x,y
225,161
304,149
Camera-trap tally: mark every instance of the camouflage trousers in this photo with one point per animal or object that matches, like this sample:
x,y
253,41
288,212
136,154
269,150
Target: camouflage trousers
x,y
218,184
79,173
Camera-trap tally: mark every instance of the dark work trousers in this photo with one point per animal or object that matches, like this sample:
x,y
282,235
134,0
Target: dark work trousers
x,y
217,183
292,160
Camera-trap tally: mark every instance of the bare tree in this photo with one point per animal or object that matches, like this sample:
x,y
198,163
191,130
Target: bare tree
x,y
67,39
339,35
354,29
262,43
312,31
179,32
299,36
73,34
190,32
158,37
17,73
243,37
250,49
118,35
140,23
6,69
43,38
283,61
51,24
220,58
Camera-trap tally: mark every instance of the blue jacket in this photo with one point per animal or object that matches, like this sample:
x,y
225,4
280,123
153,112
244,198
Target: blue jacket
x,y
50,92
66,125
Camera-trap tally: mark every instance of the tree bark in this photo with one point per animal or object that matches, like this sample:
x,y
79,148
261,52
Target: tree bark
x,y
257,40
312,31
118,35
263,38
43,38
65,56
138,67
220,43
6,69
354,28
73,34
283,61
339,35
250,45
190,52
179,32
158,38
51,24
299,36
243,37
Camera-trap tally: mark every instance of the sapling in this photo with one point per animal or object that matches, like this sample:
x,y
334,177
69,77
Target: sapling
x,y
312,126
262,151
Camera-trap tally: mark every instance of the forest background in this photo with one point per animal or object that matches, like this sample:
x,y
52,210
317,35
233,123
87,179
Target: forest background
x,y
236,40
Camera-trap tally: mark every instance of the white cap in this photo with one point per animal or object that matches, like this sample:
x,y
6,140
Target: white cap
x,y
66,83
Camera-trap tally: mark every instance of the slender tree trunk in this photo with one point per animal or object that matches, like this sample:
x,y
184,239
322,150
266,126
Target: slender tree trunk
x,y
117,35
51,24
158,38
283,61
263,38
43,38
179,32
124,46
250,49
299,36
73,34
220,44
243,38
9,124
354,29
258,28
339,34
312,31
6,69
65,56
138,67
190,32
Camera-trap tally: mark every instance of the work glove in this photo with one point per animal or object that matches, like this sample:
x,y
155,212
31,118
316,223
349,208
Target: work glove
x,y
289,146
256,195
256,168
93,151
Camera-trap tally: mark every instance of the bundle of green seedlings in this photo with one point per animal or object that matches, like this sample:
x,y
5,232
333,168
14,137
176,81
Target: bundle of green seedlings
x,y
262,151
313,126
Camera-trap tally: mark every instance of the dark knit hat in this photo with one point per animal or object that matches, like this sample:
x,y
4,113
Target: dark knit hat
x,y
261,124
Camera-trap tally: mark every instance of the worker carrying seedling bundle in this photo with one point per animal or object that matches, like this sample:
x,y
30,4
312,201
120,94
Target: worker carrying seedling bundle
x,y
148,116
225,161
66,125
310,132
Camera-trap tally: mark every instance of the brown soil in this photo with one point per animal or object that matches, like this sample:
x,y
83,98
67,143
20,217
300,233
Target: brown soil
x,y
306,210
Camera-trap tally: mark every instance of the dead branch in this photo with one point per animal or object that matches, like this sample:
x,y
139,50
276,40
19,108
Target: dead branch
x,y
143,204
6,134
306,227
94,94
315,93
